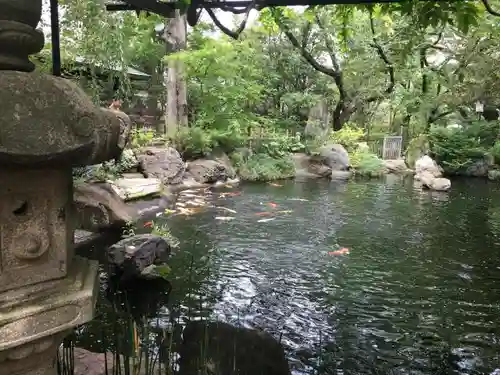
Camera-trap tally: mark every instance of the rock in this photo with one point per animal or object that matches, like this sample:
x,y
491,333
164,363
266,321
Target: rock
x,y
131,256
307,166
134,188
99,207
396,166
494,174
89,363
479,168
341,175
336,157
428,173
222,158
437,184
220,348
426,165
164,163
209,171
318,121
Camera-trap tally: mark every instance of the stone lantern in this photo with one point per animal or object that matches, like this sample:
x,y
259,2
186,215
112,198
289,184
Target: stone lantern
x,y
48,125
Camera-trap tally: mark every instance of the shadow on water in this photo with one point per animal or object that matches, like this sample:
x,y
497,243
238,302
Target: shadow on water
x,y
418,293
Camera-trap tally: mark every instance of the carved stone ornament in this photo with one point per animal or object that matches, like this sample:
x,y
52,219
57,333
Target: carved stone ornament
x,y
18,36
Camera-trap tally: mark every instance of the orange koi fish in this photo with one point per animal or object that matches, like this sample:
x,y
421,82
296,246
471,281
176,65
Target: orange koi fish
x,y
273,205
343,251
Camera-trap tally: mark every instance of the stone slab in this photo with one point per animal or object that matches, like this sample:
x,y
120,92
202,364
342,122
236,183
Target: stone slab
x,y
136,188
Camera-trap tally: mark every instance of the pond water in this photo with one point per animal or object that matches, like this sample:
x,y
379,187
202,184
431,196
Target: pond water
x,y
418,293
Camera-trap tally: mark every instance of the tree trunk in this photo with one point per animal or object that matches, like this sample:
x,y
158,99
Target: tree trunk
x,y
176,106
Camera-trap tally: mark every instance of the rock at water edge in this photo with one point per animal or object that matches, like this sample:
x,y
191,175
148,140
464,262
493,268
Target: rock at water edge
x,y
163,163
135,188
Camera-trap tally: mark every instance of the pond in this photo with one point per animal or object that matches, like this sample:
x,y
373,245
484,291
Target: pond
x,y
418,292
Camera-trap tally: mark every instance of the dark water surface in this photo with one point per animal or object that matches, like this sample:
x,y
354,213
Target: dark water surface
x,y
419,292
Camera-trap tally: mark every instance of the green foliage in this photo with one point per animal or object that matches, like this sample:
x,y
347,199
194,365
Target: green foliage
x,y
279,145
142,137
195,142
349,137
366,164
109,170
495,152
455,149
262,167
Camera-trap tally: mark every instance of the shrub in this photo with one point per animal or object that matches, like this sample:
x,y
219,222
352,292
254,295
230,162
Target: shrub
x,y
349,137
455,149
367,164
141,137
192,143
262,167
495,152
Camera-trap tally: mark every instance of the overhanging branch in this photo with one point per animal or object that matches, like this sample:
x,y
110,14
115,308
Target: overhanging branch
x,y
388,64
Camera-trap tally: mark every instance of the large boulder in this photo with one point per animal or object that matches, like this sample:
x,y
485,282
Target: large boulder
x,y
437,184
336,157
164,163
132,257
98,207
209,171
307,166
220,348
427,165
397,166
429,175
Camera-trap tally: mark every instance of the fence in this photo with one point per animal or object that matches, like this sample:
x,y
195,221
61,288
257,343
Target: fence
x,y
391,148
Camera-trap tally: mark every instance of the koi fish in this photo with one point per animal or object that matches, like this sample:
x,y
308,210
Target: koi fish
x,y
299,199
343,251
274,184
266,220
272,204
148,224
230,194
264,213
224,218
227,209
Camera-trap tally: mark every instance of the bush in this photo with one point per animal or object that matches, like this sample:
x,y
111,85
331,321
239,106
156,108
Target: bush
x,y
192,143
142,137
367,164
349,137
495,152
455,149
262,167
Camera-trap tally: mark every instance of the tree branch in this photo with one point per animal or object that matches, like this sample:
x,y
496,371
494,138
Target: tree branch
x,y
489,9
331,52
389,67
233,34
303,51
